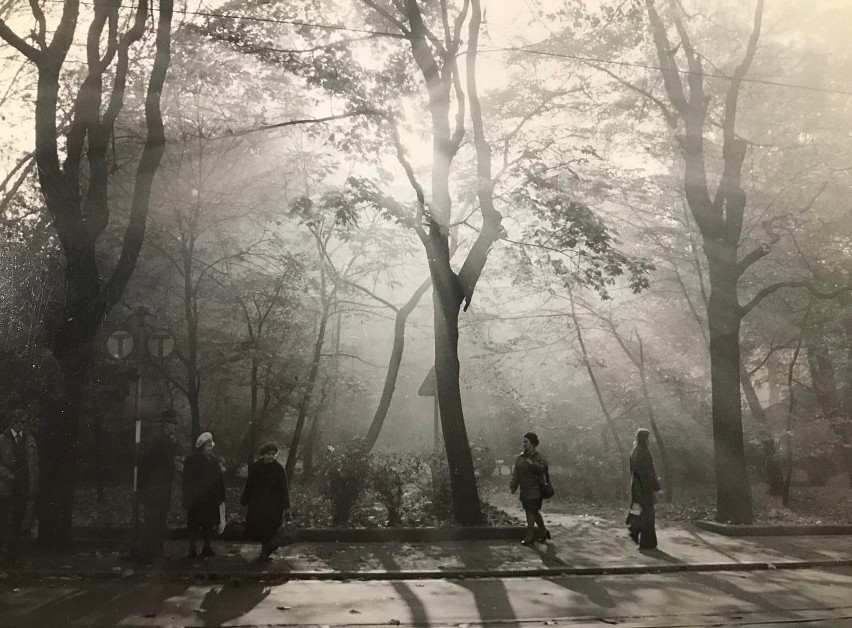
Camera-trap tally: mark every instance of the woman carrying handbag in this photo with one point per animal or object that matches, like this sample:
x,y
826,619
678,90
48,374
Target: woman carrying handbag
x,y
641,519
530,468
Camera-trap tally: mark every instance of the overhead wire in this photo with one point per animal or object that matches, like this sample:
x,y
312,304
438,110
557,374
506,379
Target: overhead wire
x,y
519,49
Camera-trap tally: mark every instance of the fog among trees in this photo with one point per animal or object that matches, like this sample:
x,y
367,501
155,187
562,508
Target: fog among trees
x,y
576,217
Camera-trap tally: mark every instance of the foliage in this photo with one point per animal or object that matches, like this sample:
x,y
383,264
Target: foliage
x,y
344,475
389,476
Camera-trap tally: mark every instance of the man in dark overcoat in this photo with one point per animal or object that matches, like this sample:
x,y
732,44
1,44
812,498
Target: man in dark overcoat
x,y
18,482
203,494
267,498
643,486
156,473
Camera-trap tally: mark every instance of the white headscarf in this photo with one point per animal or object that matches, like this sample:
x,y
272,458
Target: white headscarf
x,y
203,438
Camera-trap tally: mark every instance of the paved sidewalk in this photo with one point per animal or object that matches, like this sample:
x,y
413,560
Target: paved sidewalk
x,y
580,545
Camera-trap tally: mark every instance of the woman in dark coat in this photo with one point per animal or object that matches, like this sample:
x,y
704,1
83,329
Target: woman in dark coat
x,y
203,494
643,485
530,466
267,499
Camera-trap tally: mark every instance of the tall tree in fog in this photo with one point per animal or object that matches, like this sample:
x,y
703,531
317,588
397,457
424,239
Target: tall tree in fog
x,y
76,195
719,216
432,34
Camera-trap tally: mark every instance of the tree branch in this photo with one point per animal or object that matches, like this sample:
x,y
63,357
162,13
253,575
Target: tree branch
x,y
32,53
793,283
38,14
491,229
390,18
751,257
671,74
152,153
669,115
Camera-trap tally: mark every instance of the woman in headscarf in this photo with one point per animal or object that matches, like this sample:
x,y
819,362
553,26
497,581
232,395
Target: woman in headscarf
x,y
203,494
643,485
267,499
530,466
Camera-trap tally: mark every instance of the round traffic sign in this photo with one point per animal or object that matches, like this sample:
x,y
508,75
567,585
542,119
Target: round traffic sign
x,y
119,344
160,343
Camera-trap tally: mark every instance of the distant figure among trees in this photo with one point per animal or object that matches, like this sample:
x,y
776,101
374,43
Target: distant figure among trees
x,y
641,519
18,482
267,499
203,494
156,473
530,468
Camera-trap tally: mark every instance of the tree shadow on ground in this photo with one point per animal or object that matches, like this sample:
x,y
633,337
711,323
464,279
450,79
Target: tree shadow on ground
x,y
419,612
227,602
492,598
100,604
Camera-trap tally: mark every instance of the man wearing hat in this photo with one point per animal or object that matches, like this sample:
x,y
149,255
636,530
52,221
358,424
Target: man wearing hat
x,y
18,481
156,472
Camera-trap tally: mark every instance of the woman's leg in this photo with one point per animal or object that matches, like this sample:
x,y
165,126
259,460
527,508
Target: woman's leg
x,y
193,552
543,534
530,537
648,532
207,534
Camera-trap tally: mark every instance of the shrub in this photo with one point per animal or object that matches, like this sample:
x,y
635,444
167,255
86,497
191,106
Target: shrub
x,y
388,477
343,477
436,486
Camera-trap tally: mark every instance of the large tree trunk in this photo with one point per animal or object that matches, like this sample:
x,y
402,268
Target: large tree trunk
x,y
58,455
720,220
73,347
733,491
466,507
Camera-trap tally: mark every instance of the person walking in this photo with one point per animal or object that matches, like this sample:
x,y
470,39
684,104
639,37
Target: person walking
x,y
156,473
203,494
18,482
266,497
644,484
530,467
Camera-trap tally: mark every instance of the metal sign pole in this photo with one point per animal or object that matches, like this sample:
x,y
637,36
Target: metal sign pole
x,y
138,434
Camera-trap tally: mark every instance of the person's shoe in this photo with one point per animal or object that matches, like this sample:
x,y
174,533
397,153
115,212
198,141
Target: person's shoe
x,y
207,552
634,536
543,538
527,542
642,548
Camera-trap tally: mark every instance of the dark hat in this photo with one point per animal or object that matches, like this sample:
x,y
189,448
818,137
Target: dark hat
x,y
267,447
167,416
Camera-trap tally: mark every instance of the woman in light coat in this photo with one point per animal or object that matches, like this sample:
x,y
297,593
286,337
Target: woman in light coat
x,y
643,486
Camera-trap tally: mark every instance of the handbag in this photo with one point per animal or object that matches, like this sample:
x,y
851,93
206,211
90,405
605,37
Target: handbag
x,y
546,486
634,515
287,534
